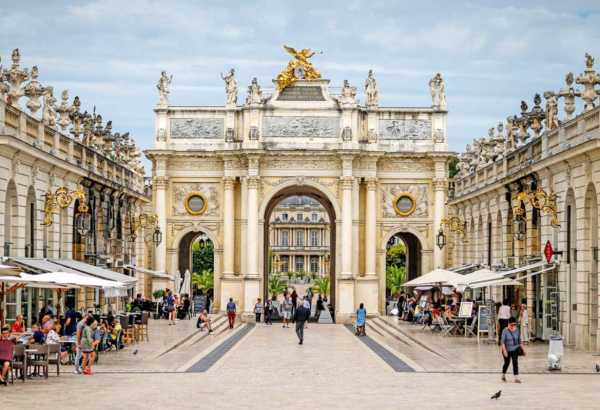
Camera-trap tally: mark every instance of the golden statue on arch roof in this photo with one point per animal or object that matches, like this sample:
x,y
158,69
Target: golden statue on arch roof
x,y
299,68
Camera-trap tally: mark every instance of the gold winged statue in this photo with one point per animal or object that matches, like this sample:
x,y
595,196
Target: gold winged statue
x,y
298,68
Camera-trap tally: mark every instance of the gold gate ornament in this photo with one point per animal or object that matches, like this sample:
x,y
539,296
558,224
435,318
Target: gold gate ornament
x,y
300,62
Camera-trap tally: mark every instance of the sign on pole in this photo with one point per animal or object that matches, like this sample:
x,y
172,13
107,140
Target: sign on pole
x,y
548,251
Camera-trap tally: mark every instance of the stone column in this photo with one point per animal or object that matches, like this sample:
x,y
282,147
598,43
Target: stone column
x,y
252,229
347,183
439,188
228,226
161,183
370,227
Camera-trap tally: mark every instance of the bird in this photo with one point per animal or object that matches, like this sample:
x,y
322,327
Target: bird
x,y
135,352
597,368
496,395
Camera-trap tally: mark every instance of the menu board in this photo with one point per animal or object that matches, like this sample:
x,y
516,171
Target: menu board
x,y
199,303
465,309
483,319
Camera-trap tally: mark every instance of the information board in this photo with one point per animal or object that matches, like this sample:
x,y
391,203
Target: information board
x,y
483,320
199,303
465,310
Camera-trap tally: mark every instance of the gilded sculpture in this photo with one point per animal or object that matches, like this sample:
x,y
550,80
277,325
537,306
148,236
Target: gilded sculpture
x,y
298,69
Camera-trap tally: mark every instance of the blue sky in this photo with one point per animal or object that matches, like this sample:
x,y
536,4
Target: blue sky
x,y
492,54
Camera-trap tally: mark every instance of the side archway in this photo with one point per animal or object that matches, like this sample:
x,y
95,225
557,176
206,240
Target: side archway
x,y
413,241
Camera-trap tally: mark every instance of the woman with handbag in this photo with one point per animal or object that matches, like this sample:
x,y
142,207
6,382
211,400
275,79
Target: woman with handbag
x,y
512,348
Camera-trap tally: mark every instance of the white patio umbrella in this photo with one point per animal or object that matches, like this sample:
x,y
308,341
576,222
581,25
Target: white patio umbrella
x,y
437,277
67,278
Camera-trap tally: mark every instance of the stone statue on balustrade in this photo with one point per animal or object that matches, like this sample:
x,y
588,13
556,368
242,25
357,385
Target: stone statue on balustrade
x,y
497,137
34,90
536,116
551,110
437,88
589,79
164,88
63,110
231,88
254,93
569,93
371,92
76,118
49,111
512,133
3,86
348,95
15,78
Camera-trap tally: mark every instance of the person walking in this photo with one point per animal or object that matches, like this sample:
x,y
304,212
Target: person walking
x,y
361,320
504,315
87,345
78,334
231,310
269,311
301,316
320,308
171,307
524,323
286,310
512,348
258,308
294,297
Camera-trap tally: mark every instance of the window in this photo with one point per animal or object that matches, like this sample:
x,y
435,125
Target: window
x,y
285,263
299,217
300,238
284,239
314,264
299,264
284,217
314,237
314,217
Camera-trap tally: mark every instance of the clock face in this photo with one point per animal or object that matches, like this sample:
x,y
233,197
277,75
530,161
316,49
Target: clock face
x,y
405,204
299,73
195,203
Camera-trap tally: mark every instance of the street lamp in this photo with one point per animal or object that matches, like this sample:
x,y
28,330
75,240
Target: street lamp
x,y
157,236
83,222
441,239
520,228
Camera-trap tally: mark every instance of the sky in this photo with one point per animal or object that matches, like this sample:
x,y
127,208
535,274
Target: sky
x,y
492,54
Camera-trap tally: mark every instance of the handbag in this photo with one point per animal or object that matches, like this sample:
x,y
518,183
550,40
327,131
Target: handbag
x,y
519,349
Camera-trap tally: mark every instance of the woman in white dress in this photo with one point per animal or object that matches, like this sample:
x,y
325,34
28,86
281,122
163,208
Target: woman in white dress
x,y
524,322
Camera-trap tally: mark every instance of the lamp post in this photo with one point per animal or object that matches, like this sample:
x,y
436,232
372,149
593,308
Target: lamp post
x,y
156,236
441,239
520,229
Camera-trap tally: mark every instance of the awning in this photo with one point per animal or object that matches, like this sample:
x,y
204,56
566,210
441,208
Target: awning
x,y
464,268
501,281
7,270
525,268
153,273
95,271
436,277
35,281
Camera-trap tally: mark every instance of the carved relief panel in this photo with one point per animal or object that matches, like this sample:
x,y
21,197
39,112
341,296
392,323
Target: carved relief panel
x,y
405,129
209,191
197,127
317,127
390,193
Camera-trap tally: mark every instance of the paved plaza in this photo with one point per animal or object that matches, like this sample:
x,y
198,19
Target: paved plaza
x,y
267,368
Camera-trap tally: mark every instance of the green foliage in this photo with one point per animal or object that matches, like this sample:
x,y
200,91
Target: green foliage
x,y
452,167
157,294
322,286
396,255
276,285
395,276
204,280
203,256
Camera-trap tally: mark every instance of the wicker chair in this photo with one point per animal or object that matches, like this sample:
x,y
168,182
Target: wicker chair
x,y
141,328
40,358
18,363
128,330
54,356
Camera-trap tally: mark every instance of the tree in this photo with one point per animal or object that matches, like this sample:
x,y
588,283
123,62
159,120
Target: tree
x,y
395,276
204,280
322,285
276,285
202,256
452,167
396,255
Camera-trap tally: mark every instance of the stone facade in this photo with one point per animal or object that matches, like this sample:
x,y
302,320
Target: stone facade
x,y
37,156
302,140
564,159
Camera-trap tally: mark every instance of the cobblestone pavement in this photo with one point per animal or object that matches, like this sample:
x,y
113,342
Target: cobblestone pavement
x,y
332,370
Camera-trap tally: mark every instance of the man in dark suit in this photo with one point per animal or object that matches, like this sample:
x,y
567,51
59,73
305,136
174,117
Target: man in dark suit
x,y
301,316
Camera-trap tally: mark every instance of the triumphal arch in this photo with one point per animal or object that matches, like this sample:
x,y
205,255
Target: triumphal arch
x,y
380,172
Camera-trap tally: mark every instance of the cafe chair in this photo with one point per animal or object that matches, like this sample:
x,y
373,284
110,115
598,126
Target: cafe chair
x,y
54,356
141,329
40,358
128,330
472,328
18,363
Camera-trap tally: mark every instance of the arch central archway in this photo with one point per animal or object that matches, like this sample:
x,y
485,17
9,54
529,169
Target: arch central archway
x,y
323,199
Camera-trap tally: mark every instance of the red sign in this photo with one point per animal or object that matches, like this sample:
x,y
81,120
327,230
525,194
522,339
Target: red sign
x,y
548,251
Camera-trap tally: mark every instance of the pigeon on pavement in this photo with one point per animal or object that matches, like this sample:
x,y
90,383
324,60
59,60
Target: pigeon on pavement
x,y
597,368
135,352
496,395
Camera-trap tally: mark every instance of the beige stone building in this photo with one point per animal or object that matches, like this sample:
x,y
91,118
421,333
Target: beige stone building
x,y
55,161
299,237
378,171
534,181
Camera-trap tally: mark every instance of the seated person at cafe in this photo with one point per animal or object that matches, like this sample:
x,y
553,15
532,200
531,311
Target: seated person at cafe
x,y
38,336
204,321
18,326
47,322
52,334
7,345
112,337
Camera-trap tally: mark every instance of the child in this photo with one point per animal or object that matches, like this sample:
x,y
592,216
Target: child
x,y
361,320
258,310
